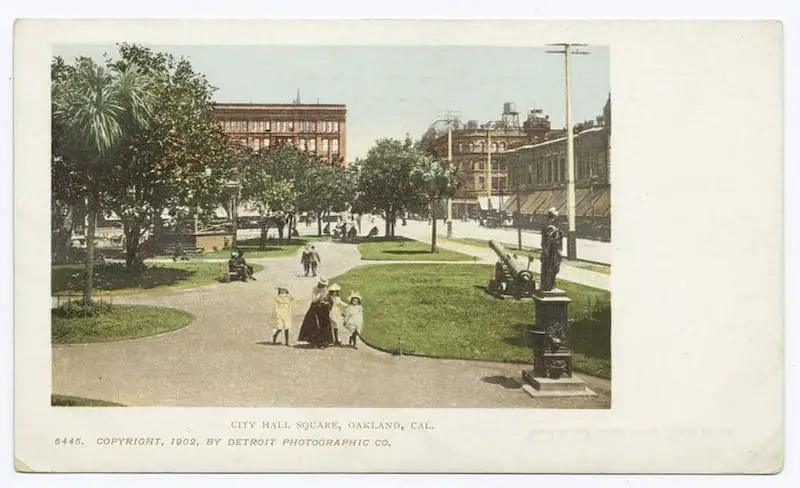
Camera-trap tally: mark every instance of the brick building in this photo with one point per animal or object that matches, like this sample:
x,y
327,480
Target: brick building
x,y
476,146
317,128
541,171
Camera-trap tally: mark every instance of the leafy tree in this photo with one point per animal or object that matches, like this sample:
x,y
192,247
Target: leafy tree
x,y
385,181
436,180
180,158
93,108
271,194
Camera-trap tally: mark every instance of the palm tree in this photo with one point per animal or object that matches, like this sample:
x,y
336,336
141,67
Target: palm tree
x,y
93,110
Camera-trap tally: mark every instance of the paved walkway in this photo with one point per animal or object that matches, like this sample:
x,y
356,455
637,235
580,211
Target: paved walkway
x,y
223,358
487,256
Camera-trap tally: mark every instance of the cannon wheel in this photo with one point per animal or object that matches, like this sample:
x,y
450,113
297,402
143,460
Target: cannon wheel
x,y
494,288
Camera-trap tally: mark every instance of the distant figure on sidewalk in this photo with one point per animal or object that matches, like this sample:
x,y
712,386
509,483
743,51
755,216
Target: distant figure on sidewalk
x,y
552,242
315,261
282,314
305,259
354,318
248,270
316,327
236,268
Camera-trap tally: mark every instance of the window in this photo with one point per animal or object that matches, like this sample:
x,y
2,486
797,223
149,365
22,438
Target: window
x,y
481,183
312,145
460,147
335,146
502,146
494,147
481,146
302,144
325,146
265,142
471,147
335,126
290,127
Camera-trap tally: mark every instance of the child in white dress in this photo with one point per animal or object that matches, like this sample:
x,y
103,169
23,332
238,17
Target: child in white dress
x,y
354,318
282,314
337,311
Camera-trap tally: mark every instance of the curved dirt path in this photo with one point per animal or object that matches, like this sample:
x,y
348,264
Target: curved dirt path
x,y
223,359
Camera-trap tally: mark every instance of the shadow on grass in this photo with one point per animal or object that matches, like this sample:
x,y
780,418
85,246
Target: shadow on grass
x,y
116,276
591,336
406,252
504,381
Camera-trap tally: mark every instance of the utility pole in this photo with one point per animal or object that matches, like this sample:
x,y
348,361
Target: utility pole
x,y
489,166
517,177
567,51
450,117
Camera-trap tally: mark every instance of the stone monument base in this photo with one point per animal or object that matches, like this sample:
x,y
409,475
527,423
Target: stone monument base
x,y
548,387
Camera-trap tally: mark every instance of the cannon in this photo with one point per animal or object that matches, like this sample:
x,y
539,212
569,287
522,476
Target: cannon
x,y
511,276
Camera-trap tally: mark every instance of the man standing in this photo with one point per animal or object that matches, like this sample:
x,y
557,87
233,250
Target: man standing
x,y
552,243
315,261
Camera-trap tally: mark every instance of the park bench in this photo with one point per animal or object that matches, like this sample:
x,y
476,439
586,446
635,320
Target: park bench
x,y
184,253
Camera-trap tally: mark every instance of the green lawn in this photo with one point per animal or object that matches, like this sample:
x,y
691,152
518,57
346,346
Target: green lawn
x,y
116,279
71,401
123,322
403,249
443,310
274,248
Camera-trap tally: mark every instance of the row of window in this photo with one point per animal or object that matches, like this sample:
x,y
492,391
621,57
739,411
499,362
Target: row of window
x,y
481,147
304,144
498,183
324,126
552,169
467,166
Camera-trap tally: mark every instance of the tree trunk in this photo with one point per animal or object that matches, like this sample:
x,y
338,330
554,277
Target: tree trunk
x,y
264,230
133,234
63,233
433,227
388,231
281,226
88,289
319,224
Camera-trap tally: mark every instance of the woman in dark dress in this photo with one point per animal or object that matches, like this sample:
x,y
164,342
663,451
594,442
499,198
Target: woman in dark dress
x,y
316,328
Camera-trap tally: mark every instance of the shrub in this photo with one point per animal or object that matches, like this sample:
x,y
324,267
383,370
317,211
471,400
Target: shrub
x,y
77,308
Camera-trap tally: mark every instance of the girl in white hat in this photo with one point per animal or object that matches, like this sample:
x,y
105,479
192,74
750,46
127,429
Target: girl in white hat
x,y
282,314
354,318
337,311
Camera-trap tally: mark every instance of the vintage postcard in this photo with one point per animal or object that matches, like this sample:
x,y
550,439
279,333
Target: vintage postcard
x,y
385,246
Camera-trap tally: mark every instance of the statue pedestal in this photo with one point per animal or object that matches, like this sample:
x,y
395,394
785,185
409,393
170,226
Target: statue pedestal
x,y
551,374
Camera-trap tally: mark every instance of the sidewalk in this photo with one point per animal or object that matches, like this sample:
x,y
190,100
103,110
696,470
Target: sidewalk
x,y
487,256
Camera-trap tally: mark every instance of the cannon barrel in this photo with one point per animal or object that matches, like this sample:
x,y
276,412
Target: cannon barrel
x,y
512,264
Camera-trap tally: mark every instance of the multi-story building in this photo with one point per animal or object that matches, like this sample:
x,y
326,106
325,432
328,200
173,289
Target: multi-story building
x,y
478,152
318,128
538,179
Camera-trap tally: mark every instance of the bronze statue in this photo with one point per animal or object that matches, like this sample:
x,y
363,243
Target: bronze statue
x,y
552,239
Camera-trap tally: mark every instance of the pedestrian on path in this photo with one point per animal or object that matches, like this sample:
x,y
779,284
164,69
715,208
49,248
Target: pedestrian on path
x,y
354,318
316,327
282,314
305,259
315,261
337,311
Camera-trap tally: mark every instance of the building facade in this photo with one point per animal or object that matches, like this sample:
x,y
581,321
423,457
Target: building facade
x,y
538,179
478,151
317,128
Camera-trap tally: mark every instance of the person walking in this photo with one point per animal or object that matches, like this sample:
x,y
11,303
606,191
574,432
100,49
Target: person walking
x,y
316,327
282,314
337,311
354,318
305,259
315,260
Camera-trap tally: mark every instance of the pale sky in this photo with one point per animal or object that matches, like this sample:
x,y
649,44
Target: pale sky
x,y
393,90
